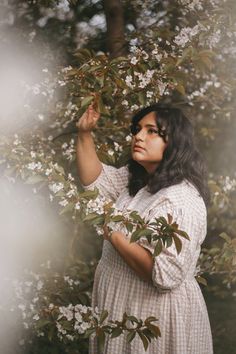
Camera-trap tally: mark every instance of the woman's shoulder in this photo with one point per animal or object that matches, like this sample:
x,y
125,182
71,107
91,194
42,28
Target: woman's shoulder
x,y
184,194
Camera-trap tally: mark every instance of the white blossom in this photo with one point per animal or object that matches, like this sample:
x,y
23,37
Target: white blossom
x,y
56,187
134,61
110,152
128,138
39,285
34,166
185,35
63,202
128,81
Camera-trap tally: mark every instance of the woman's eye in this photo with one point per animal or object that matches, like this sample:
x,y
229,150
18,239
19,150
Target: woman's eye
x,y
152,131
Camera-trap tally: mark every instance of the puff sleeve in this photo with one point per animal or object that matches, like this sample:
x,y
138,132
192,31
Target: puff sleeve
x,y
111,181
170,269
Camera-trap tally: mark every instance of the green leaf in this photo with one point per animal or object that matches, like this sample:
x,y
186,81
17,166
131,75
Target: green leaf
x,y
117,218
129,227
101,107
168,241
130,336
186,53
90,217
135,236
101,339
116,332
89,332
178,243
144,340
150,319
51,333
69,207
90,194
118,60
142,98
132,319
87,100
42,323
35,179
134,215
225,237
60,169
158,248
98,221
180,88
201,280
162,220
182,233
170,218
154,329
104,315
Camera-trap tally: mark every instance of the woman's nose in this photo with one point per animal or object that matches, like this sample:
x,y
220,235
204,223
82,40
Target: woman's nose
x,y
140,135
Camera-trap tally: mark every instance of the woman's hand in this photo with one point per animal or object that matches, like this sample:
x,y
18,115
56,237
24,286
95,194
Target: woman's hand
x,y
107,233
88,120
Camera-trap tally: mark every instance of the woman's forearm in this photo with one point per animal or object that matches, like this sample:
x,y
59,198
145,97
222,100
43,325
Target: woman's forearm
x,y
88,164
137,257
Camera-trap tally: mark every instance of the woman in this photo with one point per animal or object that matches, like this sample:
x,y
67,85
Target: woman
x,y
165,175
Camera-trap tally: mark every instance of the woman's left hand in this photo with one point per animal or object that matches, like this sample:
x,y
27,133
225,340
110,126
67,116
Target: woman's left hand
x,y
107,233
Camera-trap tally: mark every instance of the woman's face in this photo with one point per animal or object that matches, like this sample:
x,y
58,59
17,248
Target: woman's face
x,y
147,146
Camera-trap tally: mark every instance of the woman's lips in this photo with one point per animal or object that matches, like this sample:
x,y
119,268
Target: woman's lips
x,y
138,148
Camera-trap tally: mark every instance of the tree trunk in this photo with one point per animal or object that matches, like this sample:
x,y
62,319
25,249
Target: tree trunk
x,y
116,43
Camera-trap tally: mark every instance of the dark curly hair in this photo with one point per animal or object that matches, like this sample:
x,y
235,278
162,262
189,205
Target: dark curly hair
x,y
181,158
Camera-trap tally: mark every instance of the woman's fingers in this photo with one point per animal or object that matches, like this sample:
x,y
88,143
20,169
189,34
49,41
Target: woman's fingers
x,y
89,119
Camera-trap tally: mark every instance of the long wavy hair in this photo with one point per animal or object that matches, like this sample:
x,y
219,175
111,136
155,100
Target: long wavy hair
x,y
181,158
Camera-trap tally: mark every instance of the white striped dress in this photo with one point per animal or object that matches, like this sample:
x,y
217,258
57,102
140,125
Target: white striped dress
x,y
173,296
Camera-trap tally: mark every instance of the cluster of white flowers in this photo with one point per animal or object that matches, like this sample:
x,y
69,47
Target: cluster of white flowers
x,y
134,60
96,205
66,69
17,141
192,4
118,147
35,166
82,315
156,54
77,206
44,88
27,299
28,295
212,82
70,114
229,184
185,35
134,107
213,39
71,281
125,103
128,81
144,79
61,12
68,150
64,202
56,187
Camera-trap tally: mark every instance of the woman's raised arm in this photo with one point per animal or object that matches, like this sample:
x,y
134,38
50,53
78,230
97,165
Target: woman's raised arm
x,y
88,164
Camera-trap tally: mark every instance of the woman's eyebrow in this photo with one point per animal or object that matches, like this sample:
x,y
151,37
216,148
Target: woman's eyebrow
x,y
148,125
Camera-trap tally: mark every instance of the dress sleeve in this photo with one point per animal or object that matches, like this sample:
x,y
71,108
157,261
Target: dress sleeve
x,y
111,181
170,268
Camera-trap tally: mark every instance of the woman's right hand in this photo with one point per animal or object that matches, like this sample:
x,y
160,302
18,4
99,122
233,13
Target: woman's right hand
x,y
88,121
